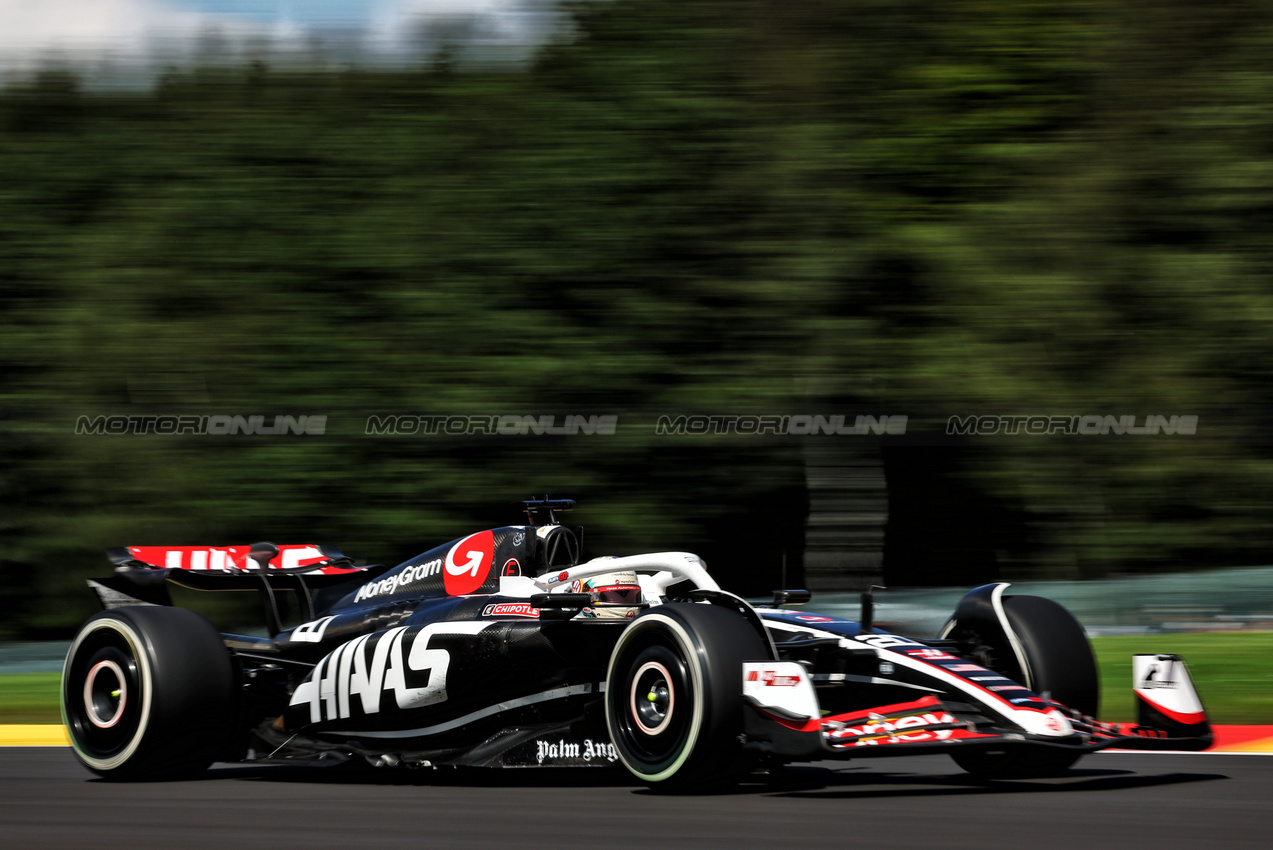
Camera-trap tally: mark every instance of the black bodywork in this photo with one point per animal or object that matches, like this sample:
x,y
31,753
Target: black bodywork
x,y
481,652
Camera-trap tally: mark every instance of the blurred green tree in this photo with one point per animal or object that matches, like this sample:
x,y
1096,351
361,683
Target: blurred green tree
x,y
688,207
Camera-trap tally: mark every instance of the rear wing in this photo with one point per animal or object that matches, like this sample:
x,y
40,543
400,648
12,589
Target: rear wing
x,y
317,573
317,558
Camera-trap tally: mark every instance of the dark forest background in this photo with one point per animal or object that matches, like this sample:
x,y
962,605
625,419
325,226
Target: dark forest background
x,y
688,206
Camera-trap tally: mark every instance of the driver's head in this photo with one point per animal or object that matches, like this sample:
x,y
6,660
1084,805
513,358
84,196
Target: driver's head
x,y
617,596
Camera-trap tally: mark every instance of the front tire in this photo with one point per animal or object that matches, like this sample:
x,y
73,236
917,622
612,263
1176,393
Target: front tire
x,y
148,693
673,701
1062,664
1059,662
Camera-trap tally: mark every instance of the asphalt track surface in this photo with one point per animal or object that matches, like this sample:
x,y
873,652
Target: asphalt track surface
x,y
1109,800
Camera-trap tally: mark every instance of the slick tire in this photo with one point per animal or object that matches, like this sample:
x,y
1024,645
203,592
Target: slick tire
x,y
148,693
1060,664
673,699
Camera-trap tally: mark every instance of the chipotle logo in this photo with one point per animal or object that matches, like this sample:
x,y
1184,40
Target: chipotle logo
x,y
510,609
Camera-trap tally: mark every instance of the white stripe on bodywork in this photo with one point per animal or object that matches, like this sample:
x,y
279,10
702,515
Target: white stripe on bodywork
x,y
556,693
996,597
788,627
868,680
1032,720
996,602
1029,719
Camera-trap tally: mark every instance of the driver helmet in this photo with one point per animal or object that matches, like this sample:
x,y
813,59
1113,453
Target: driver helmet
x,y
619,595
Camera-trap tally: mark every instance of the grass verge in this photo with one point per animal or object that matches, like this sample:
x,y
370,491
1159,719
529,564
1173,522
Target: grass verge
x,y
30,698
1232,673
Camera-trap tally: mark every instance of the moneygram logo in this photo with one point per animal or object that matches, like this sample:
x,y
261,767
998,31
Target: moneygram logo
x,y
391,584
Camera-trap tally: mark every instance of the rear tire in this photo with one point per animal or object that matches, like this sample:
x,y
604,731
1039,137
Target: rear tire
x,y
148,693
674,704
1059,664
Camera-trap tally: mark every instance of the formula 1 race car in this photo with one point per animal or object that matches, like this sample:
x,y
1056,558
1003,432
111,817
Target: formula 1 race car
x,y
502,649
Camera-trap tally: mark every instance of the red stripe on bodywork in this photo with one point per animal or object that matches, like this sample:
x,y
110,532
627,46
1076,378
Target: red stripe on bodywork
x,y
899,708
1188,717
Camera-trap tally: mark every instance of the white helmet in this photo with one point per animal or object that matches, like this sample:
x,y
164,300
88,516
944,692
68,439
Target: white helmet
x,y
618,596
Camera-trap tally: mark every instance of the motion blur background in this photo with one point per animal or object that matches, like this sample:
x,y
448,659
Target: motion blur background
x,y
639,208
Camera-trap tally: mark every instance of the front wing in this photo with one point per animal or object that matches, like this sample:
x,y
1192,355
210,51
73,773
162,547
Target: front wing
x,y
783,719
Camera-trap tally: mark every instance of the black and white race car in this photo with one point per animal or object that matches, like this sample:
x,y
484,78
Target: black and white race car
x,y
503,649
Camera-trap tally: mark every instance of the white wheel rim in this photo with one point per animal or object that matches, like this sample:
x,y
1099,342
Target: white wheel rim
x,y
90,705
135,645
634,696
696,687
